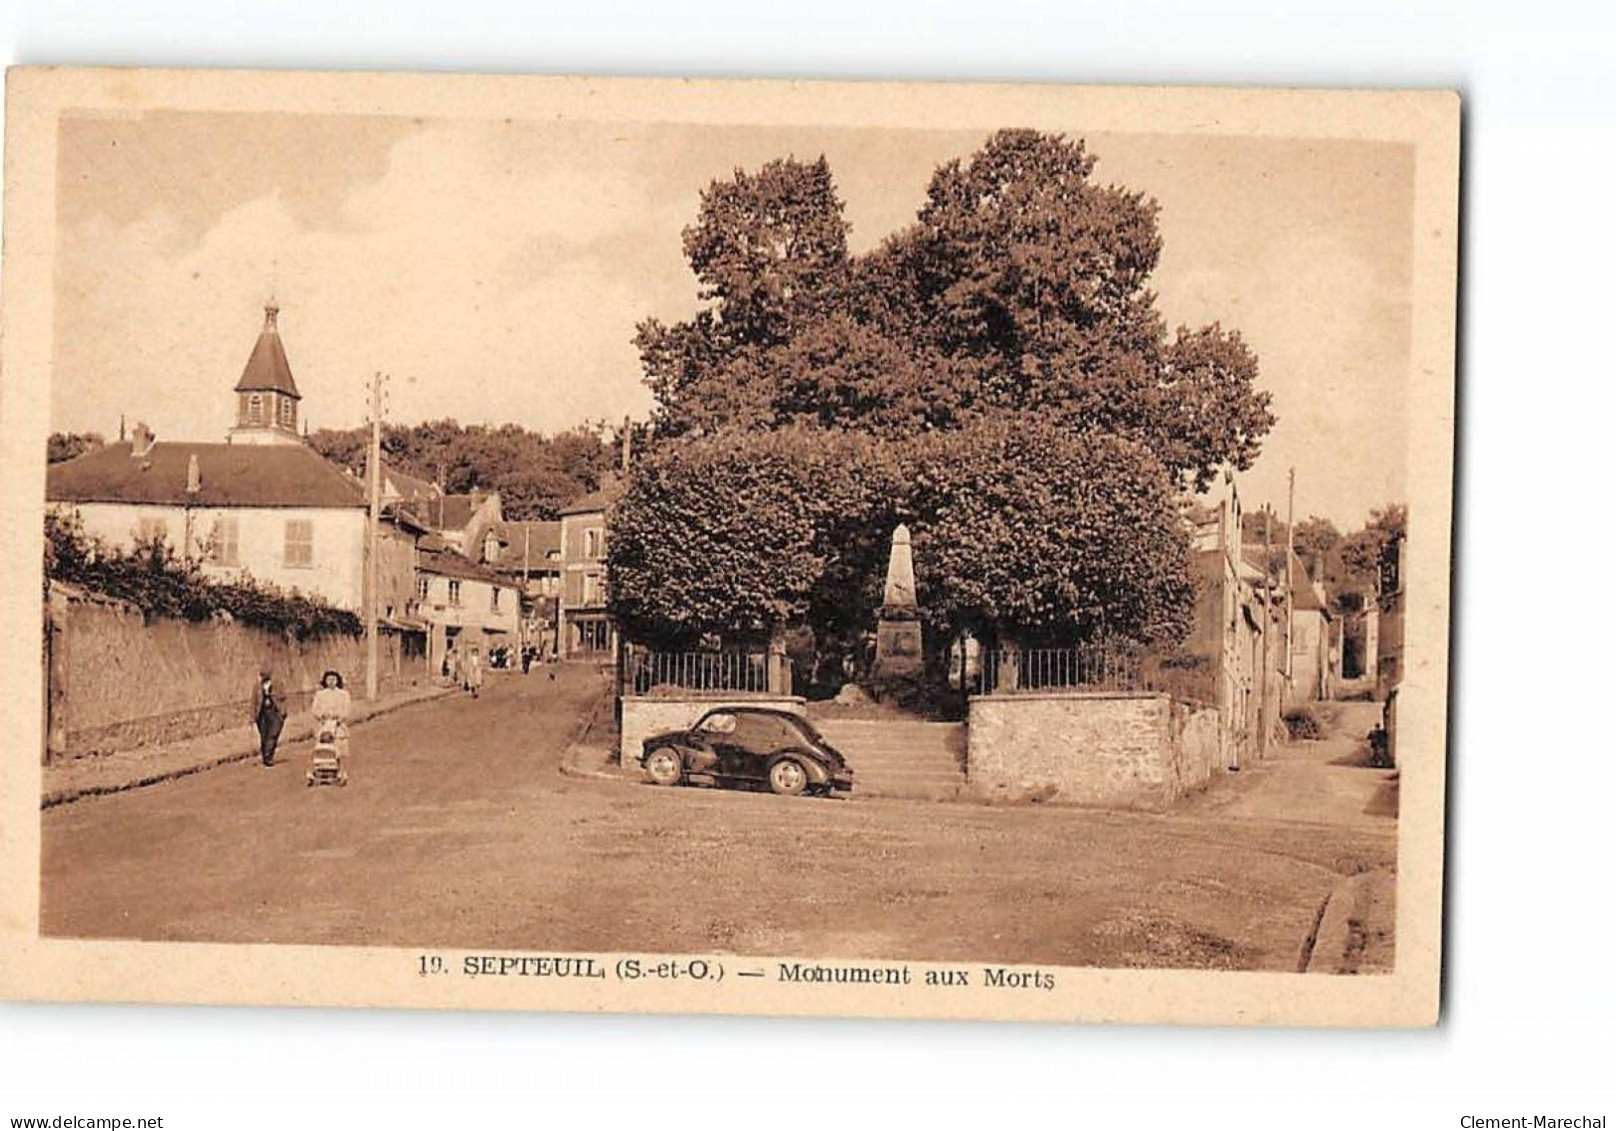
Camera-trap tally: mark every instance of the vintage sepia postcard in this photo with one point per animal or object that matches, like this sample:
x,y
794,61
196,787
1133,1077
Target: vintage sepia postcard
x,y
925,550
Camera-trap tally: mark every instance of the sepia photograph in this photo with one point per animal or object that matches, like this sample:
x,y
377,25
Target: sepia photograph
x,y
910,549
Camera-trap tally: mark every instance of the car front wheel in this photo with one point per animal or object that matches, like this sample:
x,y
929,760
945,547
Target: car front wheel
x,y
663,766
787,777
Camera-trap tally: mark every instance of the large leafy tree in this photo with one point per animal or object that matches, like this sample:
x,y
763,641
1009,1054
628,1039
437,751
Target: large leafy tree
x,y
1030,530
770,252
997,374
749,533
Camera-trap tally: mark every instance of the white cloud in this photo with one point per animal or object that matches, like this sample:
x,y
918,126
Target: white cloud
x,y
412,283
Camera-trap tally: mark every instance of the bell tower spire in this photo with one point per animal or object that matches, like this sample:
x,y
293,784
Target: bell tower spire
x,y
266,395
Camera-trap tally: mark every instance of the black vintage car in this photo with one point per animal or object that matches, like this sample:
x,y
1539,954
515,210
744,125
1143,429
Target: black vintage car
x,y
748,746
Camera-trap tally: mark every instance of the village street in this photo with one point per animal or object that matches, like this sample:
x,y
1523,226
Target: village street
x,y
459,831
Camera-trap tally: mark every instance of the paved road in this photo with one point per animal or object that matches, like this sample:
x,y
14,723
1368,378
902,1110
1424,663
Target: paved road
x,y
458,831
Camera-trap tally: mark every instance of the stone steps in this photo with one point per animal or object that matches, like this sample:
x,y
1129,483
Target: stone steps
x,y
900,757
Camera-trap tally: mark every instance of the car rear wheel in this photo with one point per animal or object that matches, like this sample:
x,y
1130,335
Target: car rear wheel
x,y
787,777
664,766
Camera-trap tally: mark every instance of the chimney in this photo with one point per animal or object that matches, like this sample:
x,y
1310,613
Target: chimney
x,y
121,436
193,476
271,311
144,438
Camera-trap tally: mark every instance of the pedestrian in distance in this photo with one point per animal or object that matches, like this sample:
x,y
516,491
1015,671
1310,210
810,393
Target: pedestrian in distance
x,y
527,660
332,701
269,716
331,707
457,676
474,672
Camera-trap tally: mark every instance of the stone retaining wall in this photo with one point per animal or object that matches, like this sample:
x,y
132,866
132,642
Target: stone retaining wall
x,y
1133,750
118,680
645,715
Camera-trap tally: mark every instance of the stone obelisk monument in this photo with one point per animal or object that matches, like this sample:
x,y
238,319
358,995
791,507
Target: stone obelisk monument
x,y
897,637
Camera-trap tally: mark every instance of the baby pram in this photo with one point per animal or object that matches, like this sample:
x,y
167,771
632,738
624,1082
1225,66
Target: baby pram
x,y
325,764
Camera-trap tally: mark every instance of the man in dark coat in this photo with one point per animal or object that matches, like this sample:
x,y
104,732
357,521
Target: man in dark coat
x,y
269,716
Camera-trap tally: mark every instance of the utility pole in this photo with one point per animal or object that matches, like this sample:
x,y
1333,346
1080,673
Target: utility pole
x,y
373,472
527,540
1290,595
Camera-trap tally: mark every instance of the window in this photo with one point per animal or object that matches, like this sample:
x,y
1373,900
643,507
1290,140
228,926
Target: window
x,y
493,597
299,552
288,409
592,595
423,587
592,543
761,732
454,591
718,724
255,409
224,547
592,635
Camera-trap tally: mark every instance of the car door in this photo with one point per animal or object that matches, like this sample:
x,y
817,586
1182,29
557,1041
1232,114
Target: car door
x,y
776,735
748,747
724,735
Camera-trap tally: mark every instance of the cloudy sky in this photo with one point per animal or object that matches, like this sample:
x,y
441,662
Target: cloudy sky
x,y
496,269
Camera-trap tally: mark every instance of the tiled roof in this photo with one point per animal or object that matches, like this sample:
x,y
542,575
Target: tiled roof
x,y
543,539
408,487
1308,595
232,475
437,557
453,512
267,367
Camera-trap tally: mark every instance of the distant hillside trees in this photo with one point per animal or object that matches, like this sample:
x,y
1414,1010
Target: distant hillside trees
x,y
1349,565
60,446
535,475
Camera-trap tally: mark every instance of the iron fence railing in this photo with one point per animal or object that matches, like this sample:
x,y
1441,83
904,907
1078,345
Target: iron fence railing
x,y
1090,668
696,671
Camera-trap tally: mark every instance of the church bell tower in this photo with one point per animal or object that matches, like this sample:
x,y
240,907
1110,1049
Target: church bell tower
x,y
266,396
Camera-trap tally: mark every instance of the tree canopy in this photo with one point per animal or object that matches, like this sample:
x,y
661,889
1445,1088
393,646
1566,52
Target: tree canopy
x,y
61,446
1019,525
1021,287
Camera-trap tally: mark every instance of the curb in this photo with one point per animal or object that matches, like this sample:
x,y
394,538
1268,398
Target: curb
x,y
569,770
1338,936
52,799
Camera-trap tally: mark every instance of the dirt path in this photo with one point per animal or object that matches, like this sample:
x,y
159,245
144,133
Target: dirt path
x,y
1326,781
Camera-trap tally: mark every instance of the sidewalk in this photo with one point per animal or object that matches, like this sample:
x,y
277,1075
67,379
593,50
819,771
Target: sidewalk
x,y
146,765
592,751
